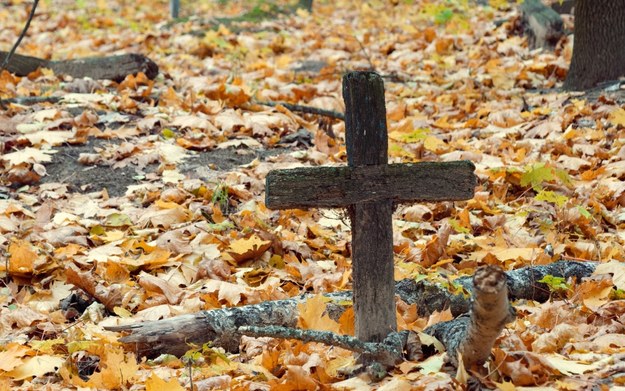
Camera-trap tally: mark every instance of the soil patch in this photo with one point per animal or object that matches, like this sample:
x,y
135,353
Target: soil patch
x,y
65,167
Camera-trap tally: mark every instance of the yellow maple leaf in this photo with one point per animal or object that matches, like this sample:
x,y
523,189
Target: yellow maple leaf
x,y
595,293
617,117
119,369
312,315
36,366
155,383
435,144
12,356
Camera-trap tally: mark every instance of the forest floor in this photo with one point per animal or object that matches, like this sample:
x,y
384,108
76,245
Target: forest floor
x,y
149,194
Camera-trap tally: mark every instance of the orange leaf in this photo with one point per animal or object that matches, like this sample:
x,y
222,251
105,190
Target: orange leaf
x,y
312,315
435,248
346,322
22,257
245,249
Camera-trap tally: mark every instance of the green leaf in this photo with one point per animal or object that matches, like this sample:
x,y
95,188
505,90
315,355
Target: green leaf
x,y
97,230
416,135
555,284
537,174
443,16
192,356
218,227
550,196
617,294
118,220
420,277
211,354
563,176
168,133
455,224
584,212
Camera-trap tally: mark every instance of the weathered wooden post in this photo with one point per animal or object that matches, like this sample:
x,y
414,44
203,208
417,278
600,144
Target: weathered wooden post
x,y
369,187
174,8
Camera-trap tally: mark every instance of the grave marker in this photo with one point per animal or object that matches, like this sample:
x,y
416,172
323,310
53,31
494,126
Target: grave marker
x,y
369,187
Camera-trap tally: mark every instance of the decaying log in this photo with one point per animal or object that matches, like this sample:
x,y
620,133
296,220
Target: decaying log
x,y
522,284
110,68
221,326
542,25
472,336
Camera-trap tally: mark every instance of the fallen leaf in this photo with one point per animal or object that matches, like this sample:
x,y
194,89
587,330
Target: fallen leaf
x,y
36,366
155,383
312,315
248,248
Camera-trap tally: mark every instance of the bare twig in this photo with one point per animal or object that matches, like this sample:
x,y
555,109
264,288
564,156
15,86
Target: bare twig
x,y
305,109
19,39
5,63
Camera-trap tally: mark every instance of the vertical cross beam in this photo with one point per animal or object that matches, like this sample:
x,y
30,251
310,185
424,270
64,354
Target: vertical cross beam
x,y
174,8
372,226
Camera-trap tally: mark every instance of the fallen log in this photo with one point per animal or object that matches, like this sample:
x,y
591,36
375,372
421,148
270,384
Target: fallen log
x,y
542,25
110,68
221,326
468,339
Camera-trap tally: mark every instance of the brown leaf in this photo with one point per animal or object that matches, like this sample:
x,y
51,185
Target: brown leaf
x,y
435,249
156,285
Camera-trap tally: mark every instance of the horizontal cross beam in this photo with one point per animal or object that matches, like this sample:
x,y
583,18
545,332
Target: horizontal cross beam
x,y
336,187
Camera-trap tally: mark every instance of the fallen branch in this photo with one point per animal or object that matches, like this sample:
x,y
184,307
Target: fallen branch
x,y
522,284
7,58
32,100
221,326
472,336
19,39
111,68
305,109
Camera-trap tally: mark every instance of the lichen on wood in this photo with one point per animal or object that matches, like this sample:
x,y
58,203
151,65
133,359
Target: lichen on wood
x,y
220,326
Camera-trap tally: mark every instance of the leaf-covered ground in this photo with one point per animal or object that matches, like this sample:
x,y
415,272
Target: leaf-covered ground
x,y
190,233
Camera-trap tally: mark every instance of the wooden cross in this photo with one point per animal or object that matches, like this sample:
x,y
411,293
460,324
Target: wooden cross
x,y
369,187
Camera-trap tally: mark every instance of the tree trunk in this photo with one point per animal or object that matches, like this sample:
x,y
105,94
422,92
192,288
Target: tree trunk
x,y
599,46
